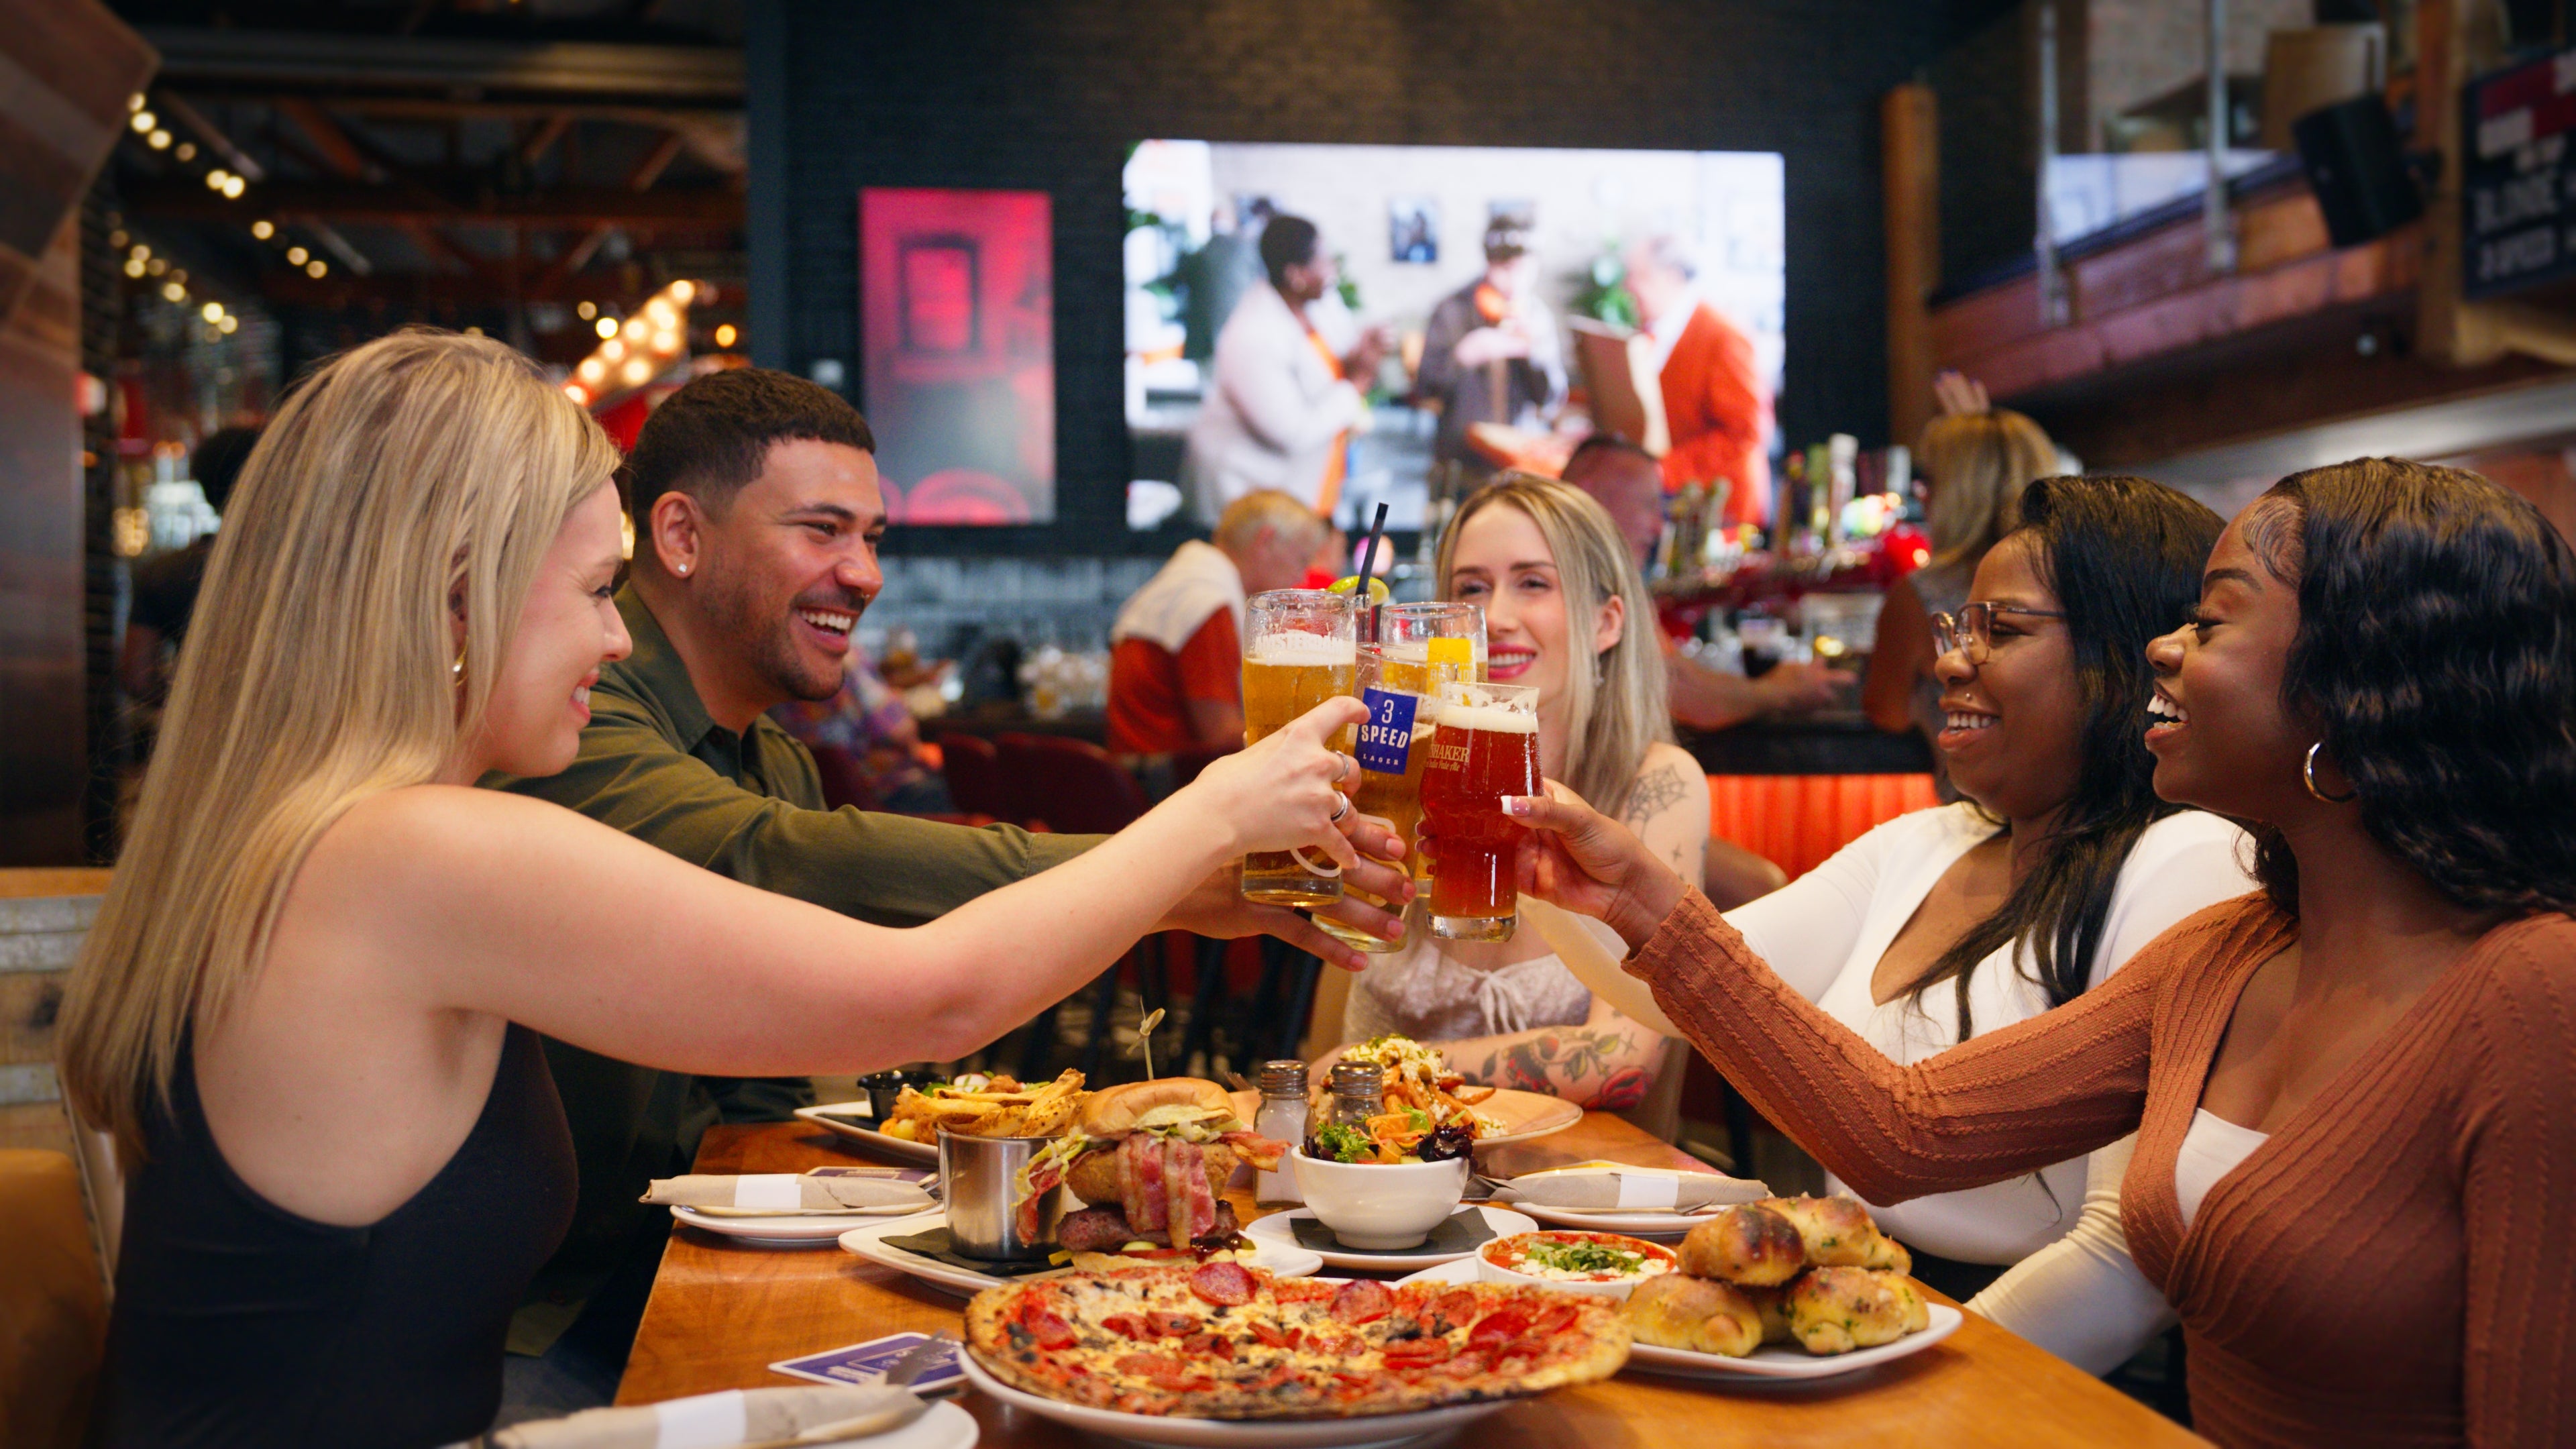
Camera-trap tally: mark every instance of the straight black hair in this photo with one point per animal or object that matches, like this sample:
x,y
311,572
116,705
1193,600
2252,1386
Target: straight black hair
x,y
2124,556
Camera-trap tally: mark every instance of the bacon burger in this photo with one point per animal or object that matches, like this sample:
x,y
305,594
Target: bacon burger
x,y
1152,1159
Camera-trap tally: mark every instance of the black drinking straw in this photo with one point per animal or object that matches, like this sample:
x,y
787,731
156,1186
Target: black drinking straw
x,y
1368,567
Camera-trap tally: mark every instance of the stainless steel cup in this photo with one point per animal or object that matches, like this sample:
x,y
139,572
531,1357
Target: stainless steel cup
x,y
975,1182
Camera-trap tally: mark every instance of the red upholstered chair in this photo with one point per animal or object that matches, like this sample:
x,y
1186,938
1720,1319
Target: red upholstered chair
x,y
975,782
1075,787
844,783
1070,784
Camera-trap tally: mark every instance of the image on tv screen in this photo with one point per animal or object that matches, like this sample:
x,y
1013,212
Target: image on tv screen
x,y
1366,324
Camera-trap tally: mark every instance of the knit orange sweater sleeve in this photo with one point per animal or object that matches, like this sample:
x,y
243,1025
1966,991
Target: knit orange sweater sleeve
x,y
2518,1194
2038,1092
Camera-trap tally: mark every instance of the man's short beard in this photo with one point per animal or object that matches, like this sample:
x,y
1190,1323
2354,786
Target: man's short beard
x,y
764,643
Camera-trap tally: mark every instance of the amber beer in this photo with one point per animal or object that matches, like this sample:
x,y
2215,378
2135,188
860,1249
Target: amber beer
x,y
1299,653
1486,747
1427,646
1391,745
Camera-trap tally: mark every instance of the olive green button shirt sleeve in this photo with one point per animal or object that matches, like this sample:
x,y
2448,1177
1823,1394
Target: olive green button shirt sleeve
x,y
889,869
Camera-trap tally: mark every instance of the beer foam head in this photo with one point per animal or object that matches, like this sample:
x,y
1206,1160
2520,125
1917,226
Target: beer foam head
x,y
1493,719
1295,647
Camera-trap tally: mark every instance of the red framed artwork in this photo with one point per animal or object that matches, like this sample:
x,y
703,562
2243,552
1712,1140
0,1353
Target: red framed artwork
x,y
957,330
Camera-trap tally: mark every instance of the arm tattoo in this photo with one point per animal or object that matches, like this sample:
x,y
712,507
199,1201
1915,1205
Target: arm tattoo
x,y
1653,795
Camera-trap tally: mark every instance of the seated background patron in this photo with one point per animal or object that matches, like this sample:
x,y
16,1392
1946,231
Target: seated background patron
x,y
1176,647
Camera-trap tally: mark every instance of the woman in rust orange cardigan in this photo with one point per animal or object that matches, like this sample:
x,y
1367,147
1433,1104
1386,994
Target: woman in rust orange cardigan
x,y
2355,1090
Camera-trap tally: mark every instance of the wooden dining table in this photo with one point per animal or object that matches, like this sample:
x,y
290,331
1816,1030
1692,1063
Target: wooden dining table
x,y
721,1313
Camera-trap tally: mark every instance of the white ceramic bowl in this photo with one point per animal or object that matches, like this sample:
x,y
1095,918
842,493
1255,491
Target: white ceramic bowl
x,y
1619,1288
1381,1206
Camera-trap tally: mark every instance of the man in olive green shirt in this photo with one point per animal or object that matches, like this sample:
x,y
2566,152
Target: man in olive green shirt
x,y
757,515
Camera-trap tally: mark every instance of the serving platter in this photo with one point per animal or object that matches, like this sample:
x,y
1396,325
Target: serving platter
x,y
1522,1115
1771,1361
1283,1259
924,1153
1274,1230
1361,1432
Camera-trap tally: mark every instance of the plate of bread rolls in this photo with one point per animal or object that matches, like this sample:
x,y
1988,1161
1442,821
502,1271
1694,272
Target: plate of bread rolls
x,y
1785,1288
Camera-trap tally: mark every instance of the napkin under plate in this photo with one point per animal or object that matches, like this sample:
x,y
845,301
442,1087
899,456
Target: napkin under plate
x,y
785,1194
1614,1191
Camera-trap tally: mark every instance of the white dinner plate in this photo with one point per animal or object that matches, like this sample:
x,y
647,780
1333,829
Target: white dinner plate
x,y
946,1426
1772,1361
1274,1230
1345,1433
1284,1260
1640,1221
924,1153
798,1231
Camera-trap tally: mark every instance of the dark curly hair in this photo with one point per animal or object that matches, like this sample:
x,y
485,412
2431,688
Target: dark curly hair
x,y
2436,656
2123,556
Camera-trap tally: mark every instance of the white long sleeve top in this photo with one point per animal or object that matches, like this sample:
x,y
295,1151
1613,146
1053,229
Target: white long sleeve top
x,y
2077,1295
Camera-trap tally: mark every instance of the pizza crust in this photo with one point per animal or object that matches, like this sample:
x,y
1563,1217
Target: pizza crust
x,y
1592,1347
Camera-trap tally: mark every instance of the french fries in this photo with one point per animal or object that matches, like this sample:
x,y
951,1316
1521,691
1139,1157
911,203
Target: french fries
x,y
1000,1108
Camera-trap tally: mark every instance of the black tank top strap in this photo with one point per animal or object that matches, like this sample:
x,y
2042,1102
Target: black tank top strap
x,y
238,1323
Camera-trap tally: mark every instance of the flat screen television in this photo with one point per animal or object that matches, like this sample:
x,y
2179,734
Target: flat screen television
x,y
1408,231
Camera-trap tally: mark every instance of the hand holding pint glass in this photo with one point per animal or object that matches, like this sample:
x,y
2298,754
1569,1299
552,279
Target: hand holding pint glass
x,y
1417,647
1485,749
1299,651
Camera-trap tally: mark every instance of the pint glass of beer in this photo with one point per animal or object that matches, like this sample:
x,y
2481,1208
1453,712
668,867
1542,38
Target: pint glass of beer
x,y
1427,646
1485,748
1392,745
1299,651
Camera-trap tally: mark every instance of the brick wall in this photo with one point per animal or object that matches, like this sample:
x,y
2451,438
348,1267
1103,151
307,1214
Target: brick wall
x,y
991,93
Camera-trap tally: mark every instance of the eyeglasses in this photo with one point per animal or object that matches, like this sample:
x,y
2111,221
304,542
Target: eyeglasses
x,y
1973,628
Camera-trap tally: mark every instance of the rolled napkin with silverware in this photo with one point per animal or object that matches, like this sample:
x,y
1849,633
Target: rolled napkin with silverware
x,y
786,1194
735,1419
1609,1188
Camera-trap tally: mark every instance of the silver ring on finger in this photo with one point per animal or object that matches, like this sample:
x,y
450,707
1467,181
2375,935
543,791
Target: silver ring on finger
x,y
1341,808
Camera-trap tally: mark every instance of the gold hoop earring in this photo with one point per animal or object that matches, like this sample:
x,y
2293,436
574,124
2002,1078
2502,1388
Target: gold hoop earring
x,y
2308,776
456,671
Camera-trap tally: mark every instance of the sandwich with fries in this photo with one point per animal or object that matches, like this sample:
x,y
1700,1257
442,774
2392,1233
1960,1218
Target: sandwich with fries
x,y
985,1107
1152,1158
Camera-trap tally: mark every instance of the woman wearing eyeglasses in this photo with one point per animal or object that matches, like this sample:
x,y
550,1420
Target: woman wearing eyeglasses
x,y
2059,863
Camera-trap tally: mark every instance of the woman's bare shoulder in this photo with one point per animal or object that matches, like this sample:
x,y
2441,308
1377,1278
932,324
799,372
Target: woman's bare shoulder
x,y
1668,779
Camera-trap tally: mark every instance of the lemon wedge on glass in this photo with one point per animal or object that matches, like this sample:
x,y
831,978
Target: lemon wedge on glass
x,y
1379,593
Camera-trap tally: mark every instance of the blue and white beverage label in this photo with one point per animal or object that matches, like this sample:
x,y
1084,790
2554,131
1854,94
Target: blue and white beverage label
x,y
1387,736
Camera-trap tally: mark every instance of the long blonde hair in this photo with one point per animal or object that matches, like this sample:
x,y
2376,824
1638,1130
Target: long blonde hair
x,y
1615,711
417,470
1979,464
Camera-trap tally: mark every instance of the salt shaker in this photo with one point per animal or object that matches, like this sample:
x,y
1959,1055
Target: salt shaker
x,y
1282,1118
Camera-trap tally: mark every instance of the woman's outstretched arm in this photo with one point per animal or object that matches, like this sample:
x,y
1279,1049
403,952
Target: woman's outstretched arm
x,y
2044,1090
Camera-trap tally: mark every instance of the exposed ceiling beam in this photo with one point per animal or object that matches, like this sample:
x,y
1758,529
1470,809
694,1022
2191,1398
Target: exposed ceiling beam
x,y
340,246
221,144
664,75
710,206
549,131
329,139
429,291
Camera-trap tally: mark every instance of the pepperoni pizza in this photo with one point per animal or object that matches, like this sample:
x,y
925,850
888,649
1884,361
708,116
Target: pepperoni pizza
x,y
1223,1341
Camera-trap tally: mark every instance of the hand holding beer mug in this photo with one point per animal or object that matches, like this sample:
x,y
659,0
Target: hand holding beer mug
x,y
1284,794
1485,749
1299,651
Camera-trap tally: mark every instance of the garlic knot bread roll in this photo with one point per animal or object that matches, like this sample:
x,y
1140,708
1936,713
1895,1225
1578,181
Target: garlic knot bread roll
x,y
1836,1310
1698,1314
1749,1245
1887,1255
1837,1230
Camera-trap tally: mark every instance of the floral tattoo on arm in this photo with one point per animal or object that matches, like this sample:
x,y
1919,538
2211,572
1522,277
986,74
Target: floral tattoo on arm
x,y
1576,1064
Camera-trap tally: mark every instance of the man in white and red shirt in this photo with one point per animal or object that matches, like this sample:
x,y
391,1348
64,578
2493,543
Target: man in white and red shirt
x,y
1176,650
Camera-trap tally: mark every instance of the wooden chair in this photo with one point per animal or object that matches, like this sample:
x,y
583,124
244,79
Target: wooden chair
x,y
53,1302
974,771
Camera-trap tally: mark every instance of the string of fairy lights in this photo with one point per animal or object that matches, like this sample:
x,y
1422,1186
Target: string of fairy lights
x,y
143,265
632,351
